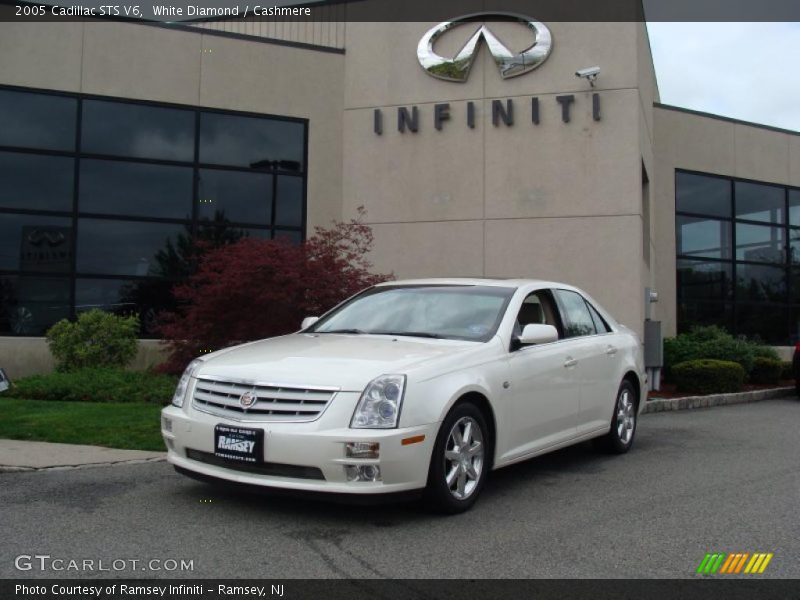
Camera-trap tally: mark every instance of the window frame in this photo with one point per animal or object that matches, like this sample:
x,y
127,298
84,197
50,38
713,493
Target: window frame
x,y
737,303
193,222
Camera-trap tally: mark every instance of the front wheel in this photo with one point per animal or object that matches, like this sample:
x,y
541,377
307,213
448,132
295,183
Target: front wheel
x,y
619,438
459,462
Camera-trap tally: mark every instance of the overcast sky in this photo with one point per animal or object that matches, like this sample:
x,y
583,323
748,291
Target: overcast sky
x,y
748,71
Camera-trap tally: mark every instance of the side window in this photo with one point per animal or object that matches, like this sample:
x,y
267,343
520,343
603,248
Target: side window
x,y
538,307
575,314
599,323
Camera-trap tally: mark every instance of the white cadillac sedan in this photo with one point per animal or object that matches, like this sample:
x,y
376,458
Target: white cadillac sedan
x,y
411,386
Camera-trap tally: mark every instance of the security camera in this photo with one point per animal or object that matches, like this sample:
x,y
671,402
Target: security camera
x,y
589,73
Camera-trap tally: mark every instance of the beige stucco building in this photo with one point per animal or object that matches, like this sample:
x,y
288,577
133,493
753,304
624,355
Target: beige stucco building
x,y
544,175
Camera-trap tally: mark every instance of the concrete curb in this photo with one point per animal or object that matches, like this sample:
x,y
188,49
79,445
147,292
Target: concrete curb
x,y
690,402
10,469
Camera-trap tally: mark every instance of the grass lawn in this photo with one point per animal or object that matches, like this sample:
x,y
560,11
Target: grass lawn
x,y
133,426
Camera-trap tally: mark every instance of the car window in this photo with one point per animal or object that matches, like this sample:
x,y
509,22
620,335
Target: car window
x,y
599,322
537,308
575,314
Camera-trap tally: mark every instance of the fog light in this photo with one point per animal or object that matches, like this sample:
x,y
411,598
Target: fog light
x,y
170,443
362,449
166,424
362,472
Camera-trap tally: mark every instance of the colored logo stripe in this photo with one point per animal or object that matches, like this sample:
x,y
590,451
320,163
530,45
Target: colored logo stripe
x,y
728,564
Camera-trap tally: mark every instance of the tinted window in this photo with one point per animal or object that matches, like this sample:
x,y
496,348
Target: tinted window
x,y
575,314
707,238
599,323
127,248
702,195
794,207
760,282
293,237
145,298
35,243
289,210
759,243
228,234
757,202
693,314
235,196
43,121
769,326
36,182
115,187
137,130
704,280
251,142
30,305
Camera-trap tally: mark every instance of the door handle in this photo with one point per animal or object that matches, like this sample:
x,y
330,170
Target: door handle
x,y
570,362
611,350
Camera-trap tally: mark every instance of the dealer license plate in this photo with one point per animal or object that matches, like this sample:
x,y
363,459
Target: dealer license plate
x,y
239,443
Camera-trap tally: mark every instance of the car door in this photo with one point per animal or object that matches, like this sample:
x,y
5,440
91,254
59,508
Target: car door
x,y
544,393
592,371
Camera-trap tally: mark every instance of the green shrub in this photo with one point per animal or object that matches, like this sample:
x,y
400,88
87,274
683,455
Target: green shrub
x,y
708,376
713,343
787,370
766,370
96,339
97,385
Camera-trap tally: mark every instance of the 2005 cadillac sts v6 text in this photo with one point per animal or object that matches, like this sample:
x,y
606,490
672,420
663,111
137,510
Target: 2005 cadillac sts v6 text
x,y
422,385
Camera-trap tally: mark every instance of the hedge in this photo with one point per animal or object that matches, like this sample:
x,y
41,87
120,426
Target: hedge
x,y
708,376
766,370
96,385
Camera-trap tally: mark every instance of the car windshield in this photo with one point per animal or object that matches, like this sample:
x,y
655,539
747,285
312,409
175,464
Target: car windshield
x,y
461,312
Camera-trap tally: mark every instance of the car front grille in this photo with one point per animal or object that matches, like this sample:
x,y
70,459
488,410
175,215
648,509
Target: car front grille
x,y
267,468
273,403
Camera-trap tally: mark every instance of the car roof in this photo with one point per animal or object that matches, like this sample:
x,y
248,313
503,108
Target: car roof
x,y
498,282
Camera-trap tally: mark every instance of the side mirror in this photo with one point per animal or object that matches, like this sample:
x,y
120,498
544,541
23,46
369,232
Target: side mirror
x,y
537,333
308,322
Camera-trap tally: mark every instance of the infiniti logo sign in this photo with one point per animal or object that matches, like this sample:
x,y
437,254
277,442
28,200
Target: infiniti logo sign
x,y
511,64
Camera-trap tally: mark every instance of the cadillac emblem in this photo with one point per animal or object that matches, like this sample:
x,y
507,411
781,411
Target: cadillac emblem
x,y
247,399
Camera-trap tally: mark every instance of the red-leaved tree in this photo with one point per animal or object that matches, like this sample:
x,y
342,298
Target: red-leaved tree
x,y
254,289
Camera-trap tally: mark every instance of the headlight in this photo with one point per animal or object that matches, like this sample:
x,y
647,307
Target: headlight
x,y
379,405
183,383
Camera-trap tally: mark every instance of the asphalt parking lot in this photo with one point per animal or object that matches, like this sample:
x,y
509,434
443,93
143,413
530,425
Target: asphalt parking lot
x,y
724,479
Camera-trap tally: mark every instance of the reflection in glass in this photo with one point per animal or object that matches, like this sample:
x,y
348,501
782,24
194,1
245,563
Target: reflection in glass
x,y
122,188
43,121
146,298
235,196
694,314
702,195
763,323
760,243
706,238
256,143
760,282
293,237
35,243
704,280
36,182
578,320
126,247
31,305
289,209
794,207
138,130
757,202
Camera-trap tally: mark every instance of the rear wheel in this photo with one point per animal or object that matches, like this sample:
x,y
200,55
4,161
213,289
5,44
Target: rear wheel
x,y
459,462
619,438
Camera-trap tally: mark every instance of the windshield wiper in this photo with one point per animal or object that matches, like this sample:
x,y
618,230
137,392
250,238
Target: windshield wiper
x,y
422,334
355,331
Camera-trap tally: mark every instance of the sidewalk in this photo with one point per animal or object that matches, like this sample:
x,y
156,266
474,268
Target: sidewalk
x,y
17,455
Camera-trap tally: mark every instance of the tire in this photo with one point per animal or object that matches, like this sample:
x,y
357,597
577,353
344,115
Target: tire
x,y
622,430
456,476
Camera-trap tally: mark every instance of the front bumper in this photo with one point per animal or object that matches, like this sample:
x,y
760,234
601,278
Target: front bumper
x,y
303,447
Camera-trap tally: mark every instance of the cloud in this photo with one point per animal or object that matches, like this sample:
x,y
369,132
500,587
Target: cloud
x,y
741,70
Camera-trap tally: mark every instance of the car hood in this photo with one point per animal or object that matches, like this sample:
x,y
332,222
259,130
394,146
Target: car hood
x,y
347,362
